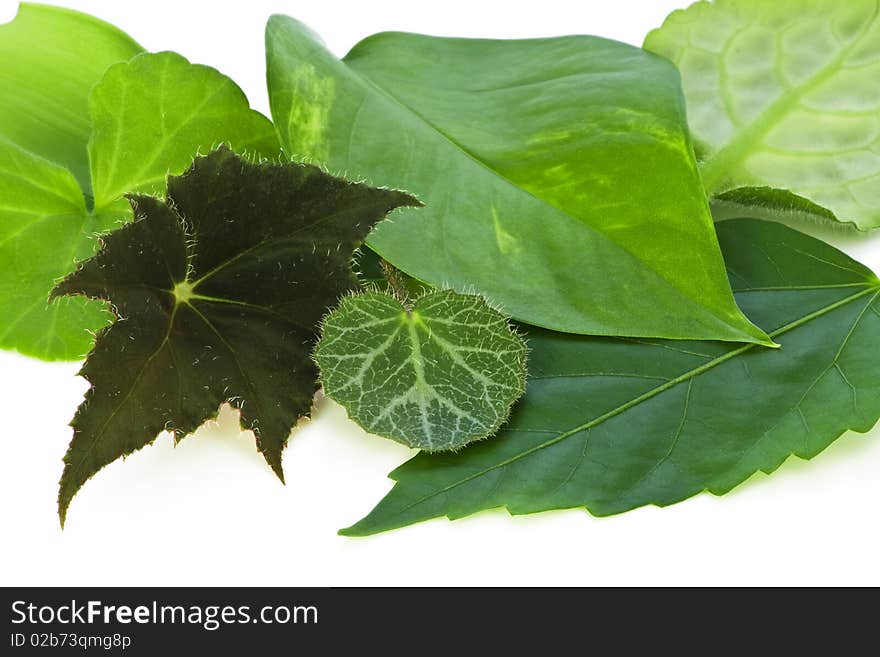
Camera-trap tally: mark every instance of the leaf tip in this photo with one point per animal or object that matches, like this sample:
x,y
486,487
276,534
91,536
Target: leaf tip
x,y
63,505
275,464
352,532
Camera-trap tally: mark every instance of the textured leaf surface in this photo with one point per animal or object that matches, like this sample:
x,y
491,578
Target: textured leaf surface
x,y
563,166
218,293
768,203
611,424
784,94
146,118
436,378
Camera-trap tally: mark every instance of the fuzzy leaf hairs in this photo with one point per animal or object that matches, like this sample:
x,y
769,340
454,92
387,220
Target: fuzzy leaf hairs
x,y
218,292
436,374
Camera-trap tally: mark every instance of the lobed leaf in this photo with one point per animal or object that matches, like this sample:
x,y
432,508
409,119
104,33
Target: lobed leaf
x,y
613,424
217,293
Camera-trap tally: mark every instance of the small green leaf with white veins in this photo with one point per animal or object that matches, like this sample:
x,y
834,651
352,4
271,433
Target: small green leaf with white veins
x,y
436,377
218,294
783,94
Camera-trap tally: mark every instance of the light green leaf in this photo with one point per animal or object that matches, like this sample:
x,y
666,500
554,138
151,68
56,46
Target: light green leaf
x,y
44,229
612,424
50,58
436,377
150,115
145,119
557,174
784,94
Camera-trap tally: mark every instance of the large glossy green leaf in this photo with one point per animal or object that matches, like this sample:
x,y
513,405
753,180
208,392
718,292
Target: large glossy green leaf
x,y
558,174
218,293
783,94
612,424
114,131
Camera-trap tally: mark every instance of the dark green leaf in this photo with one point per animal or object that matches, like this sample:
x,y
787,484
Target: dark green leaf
x,y
218,293
612,424
436,376
558,173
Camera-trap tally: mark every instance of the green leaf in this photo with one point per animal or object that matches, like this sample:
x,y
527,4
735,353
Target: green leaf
x,y
436,377
217,293
767,203
50,58
558,174
612,424
44,229
151,115
145,118
784,94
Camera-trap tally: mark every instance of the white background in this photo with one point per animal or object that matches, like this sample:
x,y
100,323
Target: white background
x,y
210,512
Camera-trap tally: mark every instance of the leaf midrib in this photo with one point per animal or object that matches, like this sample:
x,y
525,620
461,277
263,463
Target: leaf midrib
x,y
686,376
483,165
716,169
287,237
134,384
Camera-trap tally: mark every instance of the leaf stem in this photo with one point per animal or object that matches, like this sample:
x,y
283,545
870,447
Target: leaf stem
x,y
397,284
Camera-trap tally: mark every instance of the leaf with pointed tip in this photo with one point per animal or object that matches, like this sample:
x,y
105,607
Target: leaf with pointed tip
x,y
75,137
558,173
783,94
767,203
437,376
612,424
217,293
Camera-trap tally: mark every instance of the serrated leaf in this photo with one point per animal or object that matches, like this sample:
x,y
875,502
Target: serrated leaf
x,y
563,165
113,131
218,293
612,424
783,94
436,377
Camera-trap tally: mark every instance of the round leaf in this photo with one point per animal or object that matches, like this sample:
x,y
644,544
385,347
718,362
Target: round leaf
x,y
435,377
